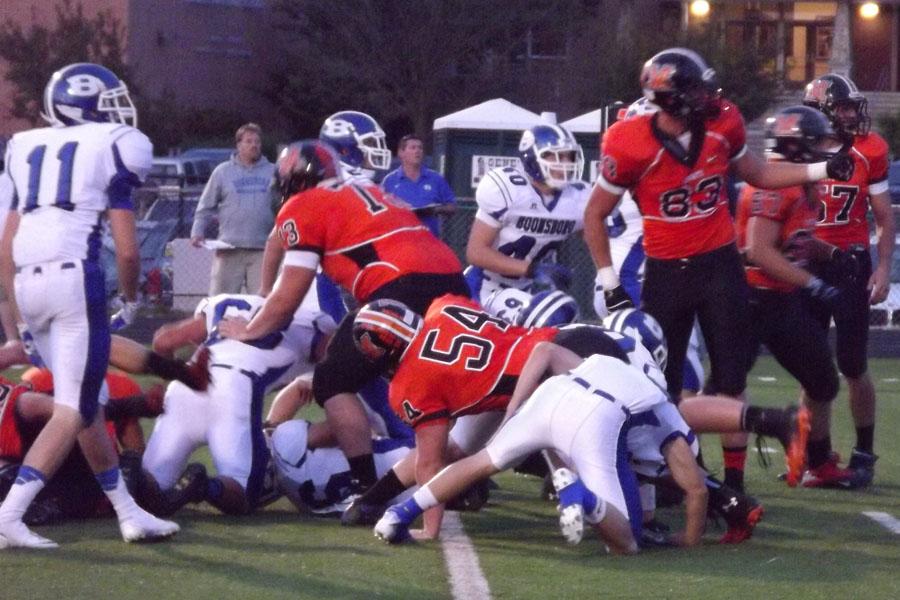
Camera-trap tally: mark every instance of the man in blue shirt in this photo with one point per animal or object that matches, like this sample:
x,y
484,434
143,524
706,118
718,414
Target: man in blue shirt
x,y
425,190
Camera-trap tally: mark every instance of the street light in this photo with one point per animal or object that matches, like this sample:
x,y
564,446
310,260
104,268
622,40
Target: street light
x,y
700,8
868,10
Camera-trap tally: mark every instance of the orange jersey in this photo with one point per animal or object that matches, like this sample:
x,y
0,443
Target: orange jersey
x,y
463,361
685,207
11,446
843,205
792,209
362,239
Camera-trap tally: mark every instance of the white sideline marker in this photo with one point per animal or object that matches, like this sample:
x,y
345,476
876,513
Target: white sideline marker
x,y
885,520
767,379
467,581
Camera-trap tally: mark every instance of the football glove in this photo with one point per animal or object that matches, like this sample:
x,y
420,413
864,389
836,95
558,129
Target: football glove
x,y
617,299
550,275
820,290
840,167
125,316
600,302
29,346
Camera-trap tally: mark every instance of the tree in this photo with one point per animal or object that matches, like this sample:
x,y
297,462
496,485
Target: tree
x,y
399,60
34,54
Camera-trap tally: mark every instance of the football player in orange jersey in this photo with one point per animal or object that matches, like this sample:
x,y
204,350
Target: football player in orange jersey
x,y
371,248
675,163
775,233
843,207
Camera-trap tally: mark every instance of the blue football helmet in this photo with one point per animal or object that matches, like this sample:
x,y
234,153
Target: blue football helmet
x,y
359,141
551,155
642,327
87,93
551,308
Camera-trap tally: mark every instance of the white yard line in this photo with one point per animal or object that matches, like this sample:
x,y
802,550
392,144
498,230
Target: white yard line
x,y
467,581
885,520
767,379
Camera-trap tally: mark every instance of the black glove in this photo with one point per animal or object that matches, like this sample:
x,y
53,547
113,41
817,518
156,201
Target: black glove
x,y
617,299
550,275
820,290
840,167
846,265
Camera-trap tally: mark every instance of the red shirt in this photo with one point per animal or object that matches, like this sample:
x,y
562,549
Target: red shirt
x,y
463,361
843,205
685,208
792,209
362,239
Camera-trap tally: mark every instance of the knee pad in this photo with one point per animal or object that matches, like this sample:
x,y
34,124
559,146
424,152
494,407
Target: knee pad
x,y
826,388
852,365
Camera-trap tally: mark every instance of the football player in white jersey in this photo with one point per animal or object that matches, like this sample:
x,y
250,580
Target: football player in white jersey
x,y
524,215
626,236
228,416
318,480
66,178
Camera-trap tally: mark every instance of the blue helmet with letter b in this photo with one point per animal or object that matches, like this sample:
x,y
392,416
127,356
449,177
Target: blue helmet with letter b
x,y
359,141
642,327
550,155
87,93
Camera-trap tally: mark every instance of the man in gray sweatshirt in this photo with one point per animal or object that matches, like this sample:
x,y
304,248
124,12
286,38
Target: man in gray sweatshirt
x,y
238,192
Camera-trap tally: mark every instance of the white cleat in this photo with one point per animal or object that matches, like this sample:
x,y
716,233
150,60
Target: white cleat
x,y
144,527
571,516
391,529
16,534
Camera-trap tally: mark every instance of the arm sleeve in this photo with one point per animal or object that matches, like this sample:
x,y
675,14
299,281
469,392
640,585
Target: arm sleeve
x,y
445,193
734,131
769,204
209,199
131,154
493,198
878,166
619,167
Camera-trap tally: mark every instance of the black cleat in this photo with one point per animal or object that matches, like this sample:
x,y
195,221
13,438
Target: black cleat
x,y
863,466
361,514
191,486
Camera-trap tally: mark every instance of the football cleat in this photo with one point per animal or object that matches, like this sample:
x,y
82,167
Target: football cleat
x,y
15,534
795,449
198,377
191,486
829,475
360,513
141,526
472,499
863,466
391,527
740,531
570,491
655,534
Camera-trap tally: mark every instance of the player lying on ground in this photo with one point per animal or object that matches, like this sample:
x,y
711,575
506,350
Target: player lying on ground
x,y
73,491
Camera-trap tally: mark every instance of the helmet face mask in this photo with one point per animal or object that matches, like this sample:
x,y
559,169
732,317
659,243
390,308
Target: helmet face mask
x,y
87,93
383,330
800,134
841,101
359,141
551,156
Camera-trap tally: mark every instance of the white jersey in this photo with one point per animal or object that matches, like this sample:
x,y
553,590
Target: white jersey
x,y
65,179
276,351
626,235
626,384
531,226
318,478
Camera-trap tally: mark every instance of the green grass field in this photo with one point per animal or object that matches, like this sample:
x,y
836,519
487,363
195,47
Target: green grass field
x,y
811,544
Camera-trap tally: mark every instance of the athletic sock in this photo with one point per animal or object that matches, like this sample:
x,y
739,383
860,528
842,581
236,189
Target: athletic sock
x,y
384,489
865,439
734,459
414,506
362,468
114,487
818,451
29,482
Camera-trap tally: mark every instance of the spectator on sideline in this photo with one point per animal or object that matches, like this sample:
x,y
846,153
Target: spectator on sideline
x,y
425,190
238,193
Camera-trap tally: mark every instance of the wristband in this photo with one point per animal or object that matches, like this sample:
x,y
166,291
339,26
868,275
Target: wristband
x,y
817,171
